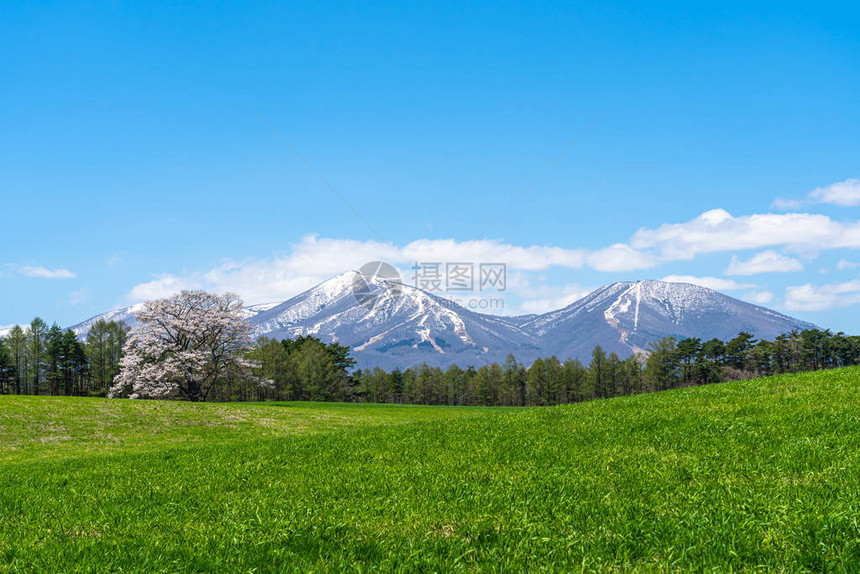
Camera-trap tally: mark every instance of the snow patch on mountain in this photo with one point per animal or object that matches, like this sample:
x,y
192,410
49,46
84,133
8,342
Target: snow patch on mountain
x,y
397,325
127,315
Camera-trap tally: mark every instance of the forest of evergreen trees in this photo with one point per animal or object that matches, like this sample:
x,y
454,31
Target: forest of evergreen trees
x,y
43,360
308,369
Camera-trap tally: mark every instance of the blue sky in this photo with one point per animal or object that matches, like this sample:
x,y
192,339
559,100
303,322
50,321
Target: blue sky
x,y
134,161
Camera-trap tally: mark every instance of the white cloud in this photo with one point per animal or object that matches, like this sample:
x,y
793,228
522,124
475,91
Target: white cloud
x,y
716,283
810,297
759,297
717,230
845,265
164,286
765,262
45,273
550,297
531,258
620,257
786,204
114,261
844,193
79,297
316,259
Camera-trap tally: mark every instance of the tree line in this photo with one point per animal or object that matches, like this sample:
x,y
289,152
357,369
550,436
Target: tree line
x,y
45,360
309,369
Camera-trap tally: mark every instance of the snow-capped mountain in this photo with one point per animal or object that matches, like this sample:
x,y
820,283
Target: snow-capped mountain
x,y
626,317
127,314
395,325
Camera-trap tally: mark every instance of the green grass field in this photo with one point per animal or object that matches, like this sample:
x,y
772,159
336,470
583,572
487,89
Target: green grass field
x,y
755,475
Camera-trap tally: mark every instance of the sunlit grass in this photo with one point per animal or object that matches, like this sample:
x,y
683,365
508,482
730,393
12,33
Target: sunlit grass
x,y
757,474
60,427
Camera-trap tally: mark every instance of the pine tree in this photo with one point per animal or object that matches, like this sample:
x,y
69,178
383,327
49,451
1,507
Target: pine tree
x,y
395,384
455,385
556,392
737,351
316,371
99,355
576,380
54,359
633,374
710,362
276,365
75,365
661,366
687,352
537,385
597,373
614,375
16,342
7,369
36,335
512,383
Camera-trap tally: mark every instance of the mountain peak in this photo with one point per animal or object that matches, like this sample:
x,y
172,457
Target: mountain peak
x,y
626,317
391,324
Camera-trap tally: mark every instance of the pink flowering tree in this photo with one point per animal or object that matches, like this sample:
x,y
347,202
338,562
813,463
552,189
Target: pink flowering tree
x,y
184,345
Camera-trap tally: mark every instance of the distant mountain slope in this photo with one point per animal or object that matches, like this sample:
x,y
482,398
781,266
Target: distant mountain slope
x,y
126,314
626,317
409,328
414,326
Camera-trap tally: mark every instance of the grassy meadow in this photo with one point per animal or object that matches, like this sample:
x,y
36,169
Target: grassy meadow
x,y
752,475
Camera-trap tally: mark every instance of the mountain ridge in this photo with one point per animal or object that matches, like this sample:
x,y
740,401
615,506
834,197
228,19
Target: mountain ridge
x,y
397,325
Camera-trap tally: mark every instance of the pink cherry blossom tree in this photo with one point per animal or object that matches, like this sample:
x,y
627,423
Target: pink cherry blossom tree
x,y
183,346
